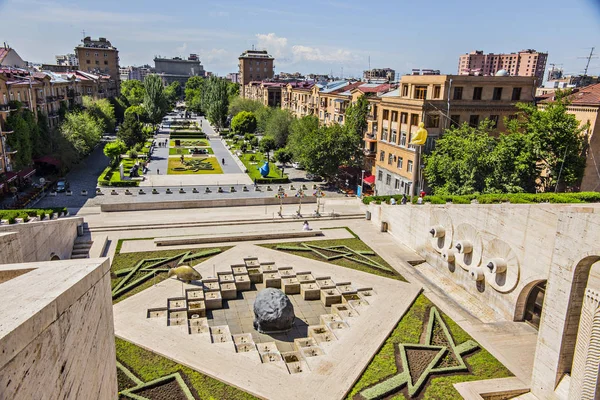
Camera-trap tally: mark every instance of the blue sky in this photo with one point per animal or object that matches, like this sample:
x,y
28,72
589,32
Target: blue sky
x,y
309,36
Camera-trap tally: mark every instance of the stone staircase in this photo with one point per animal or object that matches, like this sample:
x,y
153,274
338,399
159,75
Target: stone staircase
x,y
81,249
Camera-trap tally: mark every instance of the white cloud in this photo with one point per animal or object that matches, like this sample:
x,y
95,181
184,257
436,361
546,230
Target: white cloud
x,y
182,48
277,46
306,53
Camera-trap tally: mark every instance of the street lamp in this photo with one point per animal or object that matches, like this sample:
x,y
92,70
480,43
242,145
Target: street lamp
x,y
362,183
418,141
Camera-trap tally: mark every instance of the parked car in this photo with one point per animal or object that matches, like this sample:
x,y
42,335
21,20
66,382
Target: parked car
x,y
297,165
314,178
62,185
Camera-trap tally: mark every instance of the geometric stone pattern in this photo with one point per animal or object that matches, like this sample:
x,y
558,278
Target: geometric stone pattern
x,y
134,392
438,355
343,302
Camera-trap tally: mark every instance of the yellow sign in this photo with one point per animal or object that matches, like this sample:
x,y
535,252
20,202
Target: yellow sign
x,y
420,136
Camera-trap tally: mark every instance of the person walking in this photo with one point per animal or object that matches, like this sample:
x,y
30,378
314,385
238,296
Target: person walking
x,y
157,171
223,161
403,201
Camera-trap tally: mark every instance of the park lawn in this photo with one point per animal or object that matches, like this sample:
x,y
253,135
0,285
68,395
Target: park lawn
x,y
481,363
354,244
113,176
149,366
175,163
254,173
190,142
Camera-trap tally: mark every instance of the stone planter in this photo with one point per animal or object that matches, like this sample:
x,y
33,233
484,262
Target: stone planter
x,y
207,190
169,191
154,191
127,192
69,193
53,194
194,190
84,192
141,191
99,192
114,192
245,189
232,189
182,191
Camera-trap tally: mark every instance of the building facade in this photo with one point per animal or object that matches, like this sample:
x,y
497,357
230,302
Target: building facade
x,y
10,58
100,57
69,60
387,74
234,77
440,101
524,63
135,73
255,65
177,69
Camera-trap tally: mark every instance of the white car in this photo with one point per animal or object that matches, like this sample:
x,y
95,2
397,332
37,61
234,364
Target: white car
x,y
297,165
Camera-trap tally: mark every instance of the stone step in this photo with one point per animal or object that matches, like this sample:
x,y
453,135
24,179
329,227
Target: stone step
x,y
79,256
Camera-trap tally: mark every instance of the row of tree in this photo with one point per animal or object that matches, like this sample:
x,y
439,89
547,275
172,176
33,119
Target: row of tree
x,y
541,150
210,97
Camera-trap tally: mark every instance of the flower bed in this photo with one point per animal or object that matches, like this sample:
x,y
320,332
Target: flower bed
x,y
205,165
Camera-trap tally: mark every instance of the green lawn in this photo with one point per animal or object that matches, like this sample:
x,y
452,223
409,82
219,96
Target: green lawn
x,y
176,163
482,365
190,142
112,176
259,158
149,366
175,151
354,244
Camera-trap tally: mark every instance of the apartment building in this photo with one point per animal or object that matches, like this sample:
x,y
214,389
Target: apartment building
x,y
67,60
301,98
255,65
440,101
177,69
268,93
524,63
333,101
584,104
135,73
386,74
10,58
100,57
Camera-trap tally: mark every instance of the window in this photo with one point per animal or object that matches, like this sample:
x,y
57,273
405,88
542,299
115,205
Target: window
x,y
403,118
394,116
381,156
404,90
397,184
414,119
403,138
421,92
105,62
497,93
87,61
386,114
454,120
97,62
409,166
379,175
390,159
399,162
105,55
477,93
433,121
516,94
458,93
87,53
384,134
388,179
95,54
474,120
437,92
494,119
394,137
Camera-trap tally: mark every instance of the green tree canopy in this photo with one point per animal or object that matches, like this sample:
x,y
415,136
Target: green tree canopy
x,y
282,156
22,137
356,116
131,132
239,104
278,126
172,93
216,101
194,89
133,91
103,110
138,111
83,131
114,149
243,123
300,128
155,101
266,144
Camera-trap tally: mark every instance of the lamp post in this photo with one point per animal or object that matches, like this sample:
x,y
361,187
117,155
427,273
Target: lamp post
x,y
362,183
418,141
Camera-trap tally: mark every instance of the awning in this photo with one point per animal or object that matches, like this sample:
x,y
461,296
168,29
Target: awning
x,y
10,176
48,160
26,173
369,180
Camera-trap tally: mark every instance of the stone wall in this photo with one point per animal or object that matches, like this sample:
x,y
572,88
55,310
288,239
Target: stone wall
x,y
40,240
59,342
10,248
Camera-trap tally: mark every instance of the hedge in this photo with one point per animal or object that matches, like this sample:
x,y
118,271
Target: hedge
x,y
12,215
513,198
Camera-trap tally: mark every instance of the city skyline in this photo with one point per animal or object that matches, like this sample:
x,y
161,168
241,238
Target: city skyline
x,y
336,37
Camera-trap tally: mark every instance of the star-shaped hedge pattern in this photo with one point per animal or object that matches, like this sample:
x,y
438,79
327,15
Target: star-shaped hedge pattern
x,y
439,354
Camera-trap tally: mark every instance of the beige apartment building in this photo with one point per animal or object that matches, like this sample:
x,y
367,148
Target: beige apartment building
x,y
268,93
301,98
255,65
524,63
100,57
440,101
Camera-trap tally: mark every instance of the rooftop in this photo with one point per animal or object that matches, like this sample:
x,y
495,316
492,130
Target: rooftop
x,y
585,96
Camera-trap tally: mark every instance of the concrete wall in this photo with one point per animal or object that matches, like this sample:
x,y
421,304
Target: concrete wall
x,y
170,205
10,248
59,341
40,240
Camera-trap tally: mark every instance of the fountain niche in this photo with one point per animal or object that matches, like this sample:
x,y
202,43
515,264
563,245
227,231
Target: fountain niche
x,y
273,312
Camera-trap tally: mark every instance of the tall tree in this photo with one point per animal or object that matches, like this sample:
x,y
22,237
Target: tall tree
x,y
131,132
265,145
356,116
239,104
155,101
300,128
101,109
20,139
278,126
558,140
194,87
460,162
113,151
243,123
133,91
83,131
172,93
216,101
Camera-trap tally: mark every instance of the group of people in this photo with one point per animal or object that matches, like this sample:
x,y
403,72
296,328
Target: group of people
x,y
402,201
162,143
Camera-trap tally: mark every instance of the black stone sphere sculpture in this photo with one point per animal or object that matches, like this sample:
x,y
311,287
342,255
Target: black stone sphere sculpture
x,y
273,311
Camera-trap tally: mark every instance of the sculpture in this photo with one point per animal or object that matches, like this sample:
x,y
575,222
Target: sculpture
x,y
273,311
134,171
264,170
185,273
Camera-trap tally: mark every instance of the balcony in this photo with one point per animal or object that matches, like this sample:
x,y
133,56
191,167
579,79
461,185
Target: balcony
x,y
40,100
369,153
9,150
5,108
371,117
340,110
371,137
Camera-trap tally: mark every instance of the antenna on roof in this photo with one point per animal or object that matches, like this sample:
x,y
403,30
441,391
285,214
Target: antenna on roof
x,y
83,33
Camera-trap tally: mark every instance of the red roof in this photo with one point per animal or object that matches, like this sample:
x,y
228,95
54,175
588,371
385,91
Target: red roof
x,y
377,89
585,96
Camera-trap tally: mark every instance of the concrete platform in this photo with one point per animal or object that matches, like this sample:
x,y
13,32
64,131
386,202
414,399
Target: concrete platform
x,y
236,237
330,376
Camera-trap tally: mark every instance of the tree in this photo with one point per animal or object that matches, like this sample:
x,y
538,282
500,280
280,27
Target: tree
x,y
239,104
278,126
558,142
233,90
216,101
155,102
172,93
138,111
20,139
113,150
263,114
194,88
283,156
243,123
356,116
460,162
101,109
131,132
133,91
300,128
265,145
83,131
